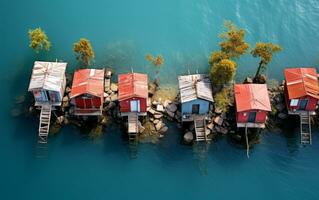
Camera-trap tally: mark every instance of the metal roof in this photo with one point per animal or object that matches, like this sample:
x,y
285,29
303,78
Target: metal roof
x,y
132,85
88,81
196,86
47,75
251,97
302,82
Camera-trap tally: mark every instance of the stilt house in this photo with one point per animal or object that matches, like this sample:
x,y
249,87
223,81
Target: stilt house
x,y
87,93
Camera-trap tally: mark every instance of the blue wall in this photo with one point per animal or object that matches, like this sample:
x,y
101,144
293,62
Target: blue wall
x,y
203,106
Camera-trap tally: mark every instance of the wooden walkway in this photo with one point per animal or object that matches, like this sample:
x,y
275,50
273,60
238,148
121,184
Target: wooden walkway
x,y
44,124
200,129
133,134
305,128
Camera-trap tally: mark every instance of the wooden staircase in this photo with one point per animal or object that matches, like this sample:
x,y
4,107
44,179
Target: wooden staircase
x,y
44,124
133,134
305,128
200,129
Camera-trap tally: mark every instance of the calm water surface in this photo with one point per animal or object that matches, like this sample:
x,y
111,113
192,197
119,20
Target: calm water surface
x,y
122,32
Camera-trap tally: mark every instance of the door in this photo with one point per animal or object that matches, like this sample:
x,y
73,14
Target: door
x,y
135,105
195,108
252,117
303,104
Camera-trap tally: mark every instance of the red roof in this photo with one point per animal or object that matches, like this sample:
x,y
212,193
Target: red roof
x,y
88,81
132,85
251,97
302,82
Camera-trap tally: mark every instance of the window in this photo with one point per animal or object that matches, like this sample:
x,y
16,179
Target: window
x,y
294,102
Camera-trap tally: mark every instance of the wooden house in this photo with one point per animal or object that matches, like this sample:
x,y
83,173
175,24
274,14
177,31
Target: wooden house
x,y
195,95
302,95
252,105
47,85
48,82
301,90
132,96
133,93
87,93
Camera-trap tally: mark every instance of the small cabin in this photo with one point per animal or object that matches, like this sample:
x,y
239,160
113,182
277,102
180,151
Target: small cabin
x,y
196,95
252,105
87,93
48,82
301,90
133,93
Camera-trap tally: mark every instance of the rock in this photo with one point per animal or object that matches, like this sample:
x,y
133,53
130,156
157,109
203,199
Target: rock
x,y
170,114
151,119
152,111
107,99
248,80
158,116
210,126
282,116
159,125
141,129
218,120
191,127
166,103
160,108
171,107
111,105
114,97
280,107
155,103
65,104
163,129
218,110
60,119
65,98
151,89
223,130
156,121
188,137
67,89
114,87
207,132
108,74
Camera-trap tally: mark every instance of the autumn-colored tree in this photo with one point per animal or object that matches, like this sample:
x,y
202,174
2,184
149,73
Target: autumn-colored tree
x,y
39,40
233,43
222,99
265,51
223,72
84,51
216,57
157,61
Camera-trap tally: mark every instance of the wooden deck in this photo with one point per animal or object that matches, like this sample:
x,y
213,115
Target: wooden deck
x,y
251,125
301,112
191,117
200,129
133,123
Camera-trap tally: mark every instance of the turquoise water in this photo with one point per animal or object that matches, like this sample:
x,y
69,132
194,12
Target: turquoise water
x,y
122,32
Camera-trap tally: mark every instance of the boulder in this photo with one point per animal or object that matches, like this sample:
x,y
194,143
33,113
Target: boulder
x,y
152,111
60,119
67,89
223,130
111,105
207,132
158,115
166,103
282,116
163,129
156,121
141,129
218,111
171,107
160,108
170,114
155,103
114,87
65,98
159,125
248,80
108,74
210,126
280,107
218,120
114,97
188,137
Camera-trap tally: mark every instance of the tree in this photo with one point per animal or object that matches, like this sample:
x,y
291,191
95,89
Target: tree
x,y
157,61
265,51
233,43
216,57
84,51
223,72
222,99
39,40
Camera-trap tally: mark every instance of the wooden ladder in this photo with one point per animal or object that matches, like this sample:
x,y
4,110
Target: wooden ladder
x,y
133,134
44,124
305,129
200,129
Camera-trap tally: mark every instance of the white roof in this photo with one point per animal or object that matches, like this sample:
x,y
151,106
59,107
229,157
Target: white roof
x,y
196,86
47,75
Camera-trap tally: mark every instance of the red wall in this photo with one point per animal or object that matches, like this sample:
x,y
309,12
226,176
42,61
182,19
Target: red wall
x,y
311,106
125,104
93,102
260,116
